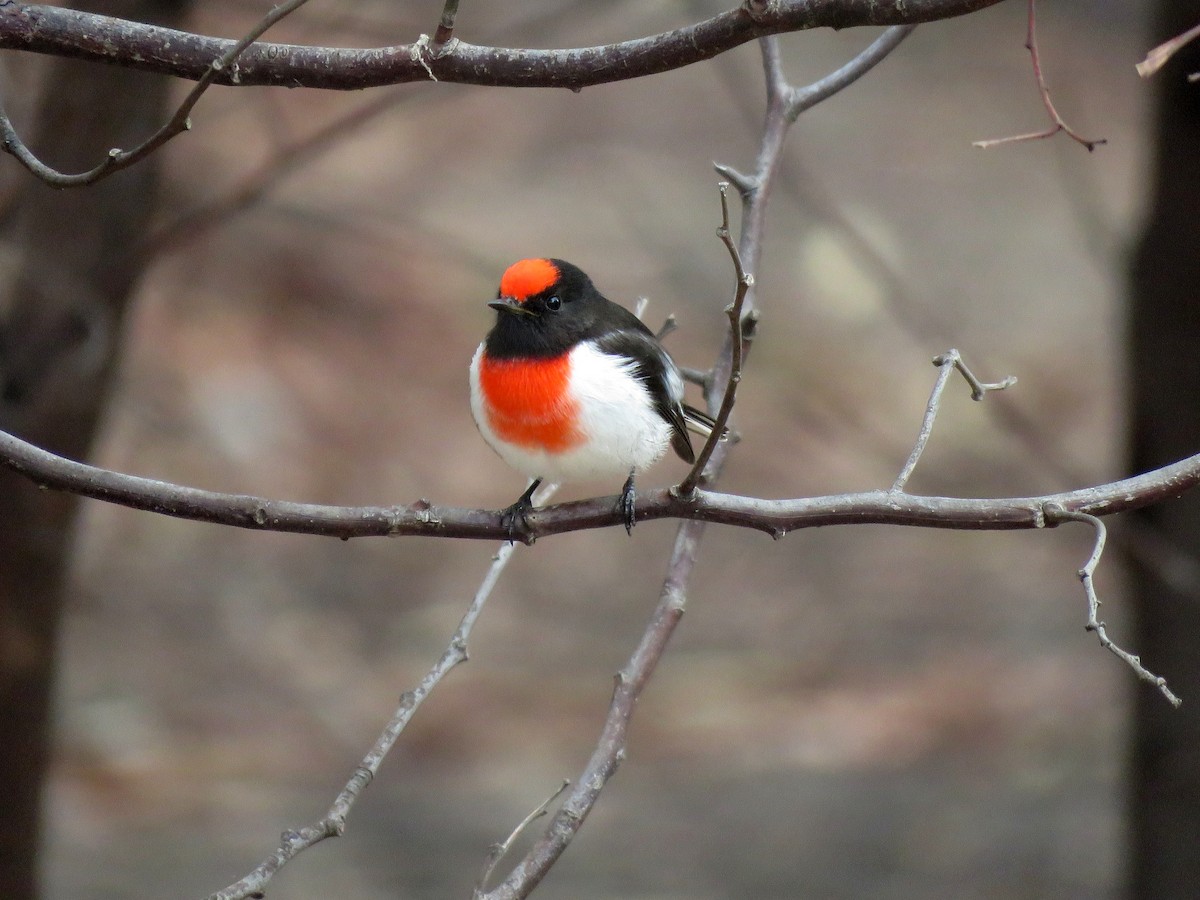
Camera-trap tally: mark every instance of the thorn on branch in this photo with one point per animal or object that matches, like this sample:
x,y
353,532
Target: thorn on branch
x,y
745,184
1056,513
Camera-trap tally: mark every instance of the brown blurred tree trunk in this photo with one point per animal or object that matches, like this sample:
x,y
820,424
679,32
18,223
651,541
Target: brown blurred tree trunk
x,y
60,321
1165,370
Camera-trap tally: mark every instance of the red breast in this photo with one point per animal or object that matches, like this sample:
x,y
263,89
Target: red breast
x,y
528,402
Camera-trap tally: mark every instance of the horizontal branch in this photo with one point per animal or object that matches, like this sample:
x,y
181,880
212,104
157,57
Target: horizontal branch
x,y
66,32
775,517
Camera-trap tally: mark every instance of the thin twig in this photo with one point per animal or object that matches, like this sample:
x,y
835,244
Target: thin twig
x,y
296,841
1060,123
445,28
946,363
117,159
498,851
1160,55
745,281
1056,514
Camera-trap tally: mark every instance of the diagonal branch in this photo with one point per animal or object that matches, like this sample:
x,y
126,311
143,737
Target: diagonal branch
x,y
65,32
800,99
296,841
610,748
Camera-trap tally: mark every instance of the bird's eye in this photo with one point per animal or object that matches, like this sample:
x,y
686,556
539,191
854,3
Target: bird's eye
x,y
553,304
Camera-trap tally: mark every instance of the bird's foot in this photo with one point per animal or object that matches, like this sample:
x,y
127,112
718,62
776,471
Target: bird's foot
x,y
625,505
515,519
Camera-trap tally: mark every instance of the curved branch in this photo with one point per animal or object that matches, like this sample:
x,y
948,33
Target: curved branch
x,y
117,159
775,517
66,32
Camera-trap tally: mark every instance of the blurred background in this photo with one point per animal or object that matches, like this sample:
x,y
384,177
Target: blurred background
x,y
850,712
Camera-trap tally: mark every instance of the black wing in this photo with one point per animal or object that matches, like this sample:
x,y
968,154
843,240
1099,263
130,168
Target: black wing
x,y
656,370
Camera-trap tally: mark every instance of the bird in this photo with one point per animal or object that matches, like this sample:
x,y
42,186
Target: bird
x,y
569,386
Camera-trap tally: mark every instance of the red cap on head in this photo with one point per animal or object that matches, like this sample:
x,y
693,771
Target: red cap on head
x,y
528,277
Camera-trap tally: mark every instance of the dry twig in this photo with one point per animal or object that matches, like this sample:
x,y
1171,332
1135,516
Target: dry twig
x,y
223,65
1059,123
946,363
737,336
1056,514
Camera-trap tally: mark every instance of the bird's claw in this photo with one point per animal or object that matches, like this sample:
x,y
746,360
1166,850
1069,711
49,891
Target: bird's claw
x,y
625,505
515,521
519,513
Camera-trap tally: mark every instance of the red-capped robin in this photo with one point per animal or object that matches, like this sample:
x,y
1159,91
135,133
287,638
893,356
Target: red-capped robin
x,y
568,385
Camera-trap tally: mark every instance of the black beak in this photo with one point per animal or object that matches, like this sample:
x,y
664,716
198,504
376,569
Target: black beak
x,y
509,305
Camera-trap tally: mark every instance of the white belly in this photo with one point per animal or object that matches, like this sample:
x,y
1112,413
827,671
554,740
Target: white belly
x,y
620,428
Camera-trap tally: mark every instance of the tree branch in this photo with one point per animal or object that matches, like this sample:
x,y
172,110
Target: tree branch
x,y
775,517
800,99
66,32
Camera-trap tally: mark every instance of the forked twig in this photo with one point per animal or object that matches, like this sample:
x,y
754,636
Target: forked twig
x,y
118,159
1059,123
946,363
800,99
1055,514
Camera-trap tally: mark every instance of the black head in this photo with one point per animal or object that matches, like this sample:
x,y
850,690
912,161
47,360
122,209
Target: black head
x,y
545,306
